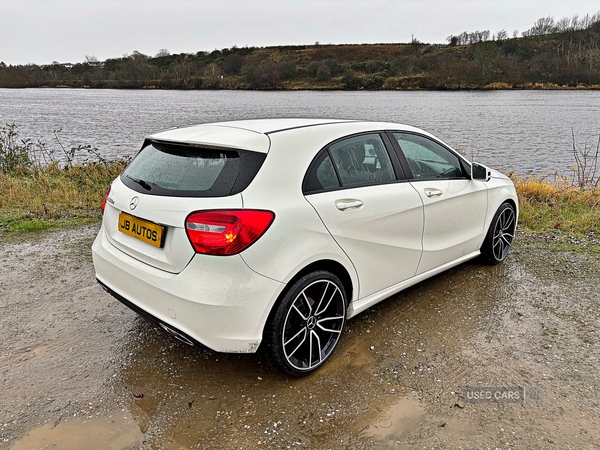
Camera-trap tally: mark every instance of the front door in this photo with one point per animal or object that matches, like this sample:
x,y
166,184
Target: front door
x,y
455,206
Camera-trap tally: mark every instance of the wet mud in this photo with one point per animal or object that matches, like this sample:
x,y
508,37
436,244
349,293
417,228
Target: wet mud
x,y
79,370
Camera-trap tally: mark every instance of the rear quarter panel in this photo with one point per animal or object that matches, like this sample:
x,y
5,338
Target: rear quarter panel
x,y
297,236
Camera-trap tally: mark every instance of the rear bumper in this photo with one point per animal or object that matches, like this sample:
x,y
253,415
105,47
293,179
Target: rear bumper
x,y
177,334
218,302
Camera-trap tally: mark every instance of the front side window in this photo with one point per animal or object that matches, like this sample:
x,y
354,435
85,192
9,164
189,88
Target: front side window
x,y
428,159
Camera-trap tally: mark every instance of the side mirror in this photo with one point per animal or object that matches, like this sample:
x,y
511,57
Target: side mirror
x,y
480,172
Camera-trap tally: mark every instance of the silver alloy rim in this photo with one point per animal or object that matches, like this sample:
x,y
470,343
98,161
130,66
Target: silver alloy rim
x,y
504,233
313,325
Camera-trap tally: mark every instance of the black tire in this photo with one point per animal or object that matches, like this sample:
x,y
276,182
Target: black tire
x,y
500,236
306,324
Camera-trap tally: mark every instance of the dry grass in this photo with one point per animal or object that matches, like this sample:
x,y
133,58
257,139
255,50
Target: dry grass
x,y
546,207
38,200
54,197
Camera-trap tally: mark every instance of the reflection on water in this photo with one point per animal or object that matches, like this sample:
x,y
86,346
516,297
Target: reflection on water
x,y
523,131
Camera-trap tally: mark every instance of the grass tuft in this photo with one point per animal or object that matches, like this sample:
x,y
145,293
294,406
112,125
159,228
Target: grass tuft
x,y
547,207
54,197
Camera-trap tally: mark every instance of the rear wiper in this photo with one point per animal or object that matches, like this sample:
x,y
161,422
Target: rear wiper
x,y
141,182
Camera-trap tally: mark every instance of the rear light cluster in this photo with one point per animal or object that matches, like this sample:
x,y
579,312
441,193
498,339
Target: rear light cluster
x,y
104,201
226,232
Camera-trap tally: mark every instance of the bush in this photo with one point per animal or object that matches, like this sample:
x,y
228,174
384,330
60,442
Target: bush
x,y
323,73
262,74
351,81
38,193
586,173
14,154
558,206
24,155
377,80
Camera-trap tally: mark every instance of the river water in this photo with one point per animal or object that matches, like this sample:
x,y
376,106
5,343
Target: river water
x,y
529,132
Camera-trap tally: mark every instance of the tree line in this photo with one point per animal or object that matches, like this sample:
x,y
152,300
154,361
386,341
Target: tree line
x,y
551,53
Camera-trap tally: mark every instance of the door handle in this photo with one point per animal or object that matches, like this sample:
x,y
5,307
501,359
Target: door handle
x,y
432,192
348,203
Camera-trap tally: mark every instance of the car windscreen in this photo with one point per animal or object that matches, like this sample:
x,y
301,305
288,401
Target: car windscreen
x,y
189,171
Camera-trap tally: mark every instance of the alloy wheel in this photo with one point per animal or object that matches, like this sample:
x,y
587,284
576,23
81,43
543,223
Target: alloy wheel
x,y
313,325
504,233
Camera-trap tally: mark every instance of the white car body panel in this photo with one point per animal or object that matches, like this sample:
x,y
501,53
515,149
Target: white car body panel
x,y
281,257
218,301
219,136
461,206
365,303
382,237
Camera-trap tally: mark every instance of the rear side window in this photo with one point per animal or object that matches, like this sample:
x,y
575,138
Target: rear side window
x,y
326,174
186,171
356,161
362,160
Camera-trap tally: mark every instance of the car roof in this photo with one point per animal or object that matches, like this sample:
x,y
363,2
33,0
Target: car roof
x,y
253,134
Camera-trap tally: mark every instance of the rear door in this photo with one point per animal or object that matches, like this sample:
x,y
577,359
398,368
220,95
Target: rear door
x,y
455,206
361,194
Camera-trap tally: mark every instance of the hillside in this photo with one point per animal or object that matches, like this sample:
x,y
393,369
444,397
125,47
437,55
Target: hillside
x,y
549,55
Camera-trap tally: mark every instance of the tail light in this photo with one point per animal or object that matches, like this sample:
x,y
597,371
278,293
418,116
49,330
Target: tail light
x,y
104,201
226,232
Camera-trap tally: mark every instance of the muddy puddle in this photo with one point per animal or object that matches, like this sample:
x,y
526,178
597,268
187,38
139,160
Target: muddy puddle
x,y
111,432
79,370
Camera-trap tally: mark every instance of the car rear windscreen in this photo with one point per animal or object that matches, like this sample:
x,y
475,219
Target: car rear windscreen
x,y
189,171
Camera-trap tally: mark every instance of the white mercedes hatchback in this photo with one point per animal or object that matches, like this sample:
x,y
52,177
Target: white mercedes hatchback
x,y
269,234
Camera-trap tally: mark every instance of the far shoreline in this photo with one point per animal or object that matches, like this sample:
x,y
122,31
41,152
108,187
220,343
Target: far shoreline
x,y
490,87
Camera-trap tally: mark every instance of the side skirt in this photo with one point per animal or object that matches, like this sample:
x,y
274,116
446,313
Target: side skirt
x,y
362,304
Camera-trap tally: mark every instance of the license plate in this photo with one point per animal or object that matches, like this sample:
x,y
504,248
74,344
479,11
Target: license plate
x,y
145,231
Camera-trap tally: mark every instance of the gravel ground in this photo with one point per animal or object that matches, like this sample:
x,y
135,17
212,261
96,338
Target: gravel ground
x,y
79,370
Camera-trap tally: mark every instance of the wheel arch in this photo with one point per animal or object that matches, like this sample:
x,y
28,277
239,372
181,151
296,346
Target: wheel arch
x,y
328,265
512,203
488,246
497,195
509,200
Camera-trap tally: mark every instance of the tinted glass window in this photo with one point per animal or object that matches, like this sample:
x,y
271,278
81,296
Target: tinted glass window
x,y
176,170
428,159
362,160
326,174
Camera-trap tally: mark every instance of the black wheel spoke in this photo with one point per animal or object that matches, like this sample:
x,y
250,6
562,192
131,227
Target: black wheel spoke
x,y
318,309
329,330
301,331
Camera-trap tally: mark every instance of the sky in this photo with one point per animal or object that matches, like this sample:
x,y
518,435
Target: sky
x,y
43,31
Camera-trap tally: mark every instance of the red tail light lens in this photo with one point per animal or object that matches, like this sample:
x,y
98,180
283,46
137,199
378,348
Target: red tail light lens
x,y
226,232
104,201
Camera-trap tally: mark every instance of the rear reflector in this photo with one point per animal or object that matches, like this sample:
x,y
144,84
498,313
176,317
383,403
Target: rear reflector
x,y
226,232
